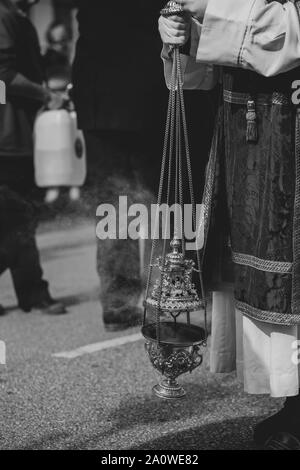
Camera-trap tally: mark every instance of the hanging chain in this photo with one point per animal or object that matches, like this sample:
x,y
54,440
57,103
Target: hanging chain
x,y
166,159
176,126
191,185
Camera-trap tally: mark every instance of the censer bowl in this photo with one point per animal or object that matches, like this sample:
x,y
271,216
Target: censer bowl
x,y
177,352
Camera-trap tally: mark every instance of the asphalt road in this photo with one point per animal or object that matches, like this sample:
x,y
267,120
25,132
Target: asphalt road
x,y
100,397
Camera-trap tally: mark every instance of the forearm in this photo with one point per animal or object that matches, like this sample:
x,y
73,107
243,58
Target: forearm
x,y
21,86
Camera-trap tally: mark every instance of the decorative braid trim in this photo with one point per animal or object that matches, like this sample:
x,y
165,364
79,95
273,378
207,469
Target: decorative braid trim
x,y
280,267
278,318
262,100
296,227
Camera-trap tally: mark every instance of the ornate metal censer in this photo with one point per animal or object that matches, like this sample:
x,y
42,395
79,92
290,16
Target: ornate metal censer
x,y
174,344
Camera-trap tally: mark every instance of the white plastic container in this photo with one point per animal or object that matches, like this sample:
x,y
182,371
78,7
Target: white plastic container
x,y
60,152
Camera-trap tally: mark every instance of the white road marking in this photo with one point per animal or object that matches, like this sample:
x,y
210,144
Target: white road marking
x,y
95,347
2,353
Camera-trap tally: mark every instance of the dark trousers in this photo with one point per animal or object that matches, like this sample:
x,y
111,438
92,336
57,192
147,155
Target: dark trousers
x,y
18,223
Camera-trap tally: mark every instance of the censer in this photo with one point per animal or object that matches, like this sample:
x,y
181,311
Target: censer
x,y
173,342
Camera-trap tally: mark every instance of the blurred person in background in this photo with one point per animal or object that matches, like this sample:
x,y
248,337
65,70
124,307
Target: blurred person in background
x,y
58,77
120,98
22,71
57,57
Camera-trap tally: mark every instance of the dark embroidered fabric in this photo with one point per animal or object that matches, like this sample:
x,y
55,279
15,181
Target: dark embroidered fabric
x,y
258,182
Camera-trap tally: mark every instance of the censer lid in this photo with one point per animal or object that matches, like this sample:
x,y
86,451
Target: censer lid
x,y
172,302
172,8
176,292
175,259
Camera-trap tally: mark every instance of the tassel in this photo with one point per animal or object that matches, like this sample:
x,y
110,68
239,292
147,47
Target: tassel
x,y
251,116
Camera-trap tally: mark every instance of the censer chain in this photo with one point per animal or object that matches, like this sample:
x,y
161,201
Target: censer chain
x,y
191,186
176,126
166,158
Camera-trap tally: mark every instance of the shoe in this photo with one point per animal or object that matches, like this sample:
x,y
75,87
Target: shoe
x,y
265,429
127,317
283,421
52,308
2,311
283,441
49,307
51,195
74,194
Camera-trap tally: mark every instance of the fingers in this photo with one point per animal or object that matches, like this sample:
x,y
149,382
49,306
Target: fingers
x,y
180,26
177,19
173,30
